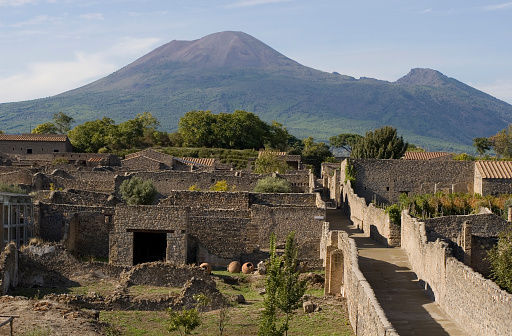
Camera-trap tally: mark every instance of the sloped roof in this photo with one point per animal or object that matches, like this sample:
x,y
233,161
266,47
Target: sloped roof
x,y
200,161
33,137
495,169
273,153
424,155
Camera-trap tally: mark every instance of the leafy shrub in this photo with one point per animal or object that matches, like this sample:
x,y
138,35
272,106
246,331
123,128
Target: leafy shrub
x,y
220,186
350,173
194,187
137,191
60,161
11,188
395,213
500,258
272,184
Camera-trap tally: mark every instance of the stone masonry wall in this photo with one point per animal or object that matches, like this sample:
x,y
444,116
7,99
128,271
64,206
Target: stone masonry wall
x,y
147,218
305,221
82,197
496,186
365,314
372,220
476,304
82,229
384,180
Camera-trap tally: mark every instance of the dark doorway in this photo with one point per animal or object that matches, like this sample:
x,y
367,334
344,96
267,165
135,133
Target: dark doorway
x,y
149,246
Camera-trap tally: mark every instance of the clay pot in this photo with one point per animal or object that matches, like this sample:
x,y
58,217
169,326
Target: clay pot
x,y
234,267
207,267
247,268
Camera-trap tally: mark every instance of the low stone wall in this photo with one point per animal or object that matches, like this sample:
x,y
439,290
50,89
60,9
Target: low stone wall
x,y
207,199
83,197
476,304
372,220
342,276
161,274
8,268
275,199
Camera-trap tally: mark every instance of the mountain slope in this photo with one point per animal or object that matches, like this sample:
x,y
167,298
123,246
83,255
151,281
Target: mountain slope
x,y
227,71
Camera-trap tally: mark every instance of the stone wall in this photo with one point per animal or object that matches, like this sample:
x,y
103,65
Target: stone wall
x,y
342,276
82,229
82,197
384,180
476,304
496,186
372,220
306,222
207,199
168,181
8,268
161,274
146,218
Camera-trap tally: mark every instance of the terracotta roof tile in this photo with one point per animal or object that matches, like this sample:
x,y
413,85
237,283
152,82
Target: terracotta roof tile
x,y
273,153
424,155
201,161
33,137
495,169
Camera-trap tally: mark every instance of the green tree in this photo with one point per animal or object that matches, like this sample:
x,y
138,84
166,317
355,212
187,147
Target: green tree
x,y
137,191
279,137
197,128
268,162
183,321
61,125
291,289
272,184
502,143
62,122
314,153
345,141
92,135
500,258
482,145
383,143
283,289
45,128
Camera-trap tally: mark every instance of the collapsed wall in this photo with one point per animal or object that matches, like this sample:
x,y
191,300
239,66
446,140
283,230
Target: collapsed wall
x,y
476,304
342,276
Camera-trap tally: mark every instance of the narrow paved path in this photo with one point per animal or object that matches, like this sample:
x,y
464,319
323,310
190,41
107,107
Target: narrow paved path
x,y
407,306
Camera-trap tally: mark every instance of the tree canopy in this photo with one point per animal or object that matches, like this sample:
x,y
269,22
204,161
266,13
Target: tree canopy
x,y
94,135
383,143
345,141
502,142
237,130
61,125
482,145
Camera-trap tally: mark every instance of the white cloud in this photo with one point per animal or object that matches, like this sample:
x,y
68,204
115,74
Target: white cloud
x,y
93,16
249,3
40,19
47,79
501,89
499,6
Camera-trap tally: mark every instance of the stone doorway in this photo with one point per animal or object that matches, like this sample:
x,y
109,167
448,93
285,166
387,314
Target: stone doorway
x,y
149,246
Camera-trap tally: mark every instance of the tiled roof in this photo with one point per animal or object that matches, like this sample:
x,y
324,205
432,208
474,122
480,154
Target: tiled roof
x,y
201,161
33,137
424,155
273,153
95,159
495,169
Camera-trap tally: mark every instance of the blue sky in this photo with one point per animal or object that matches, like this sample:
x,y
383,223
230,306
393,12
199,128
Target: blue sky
x,y
51,46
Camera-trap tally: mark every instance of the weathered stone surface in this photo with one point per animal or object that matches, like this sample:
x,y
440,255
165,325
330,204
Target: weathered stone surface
x,y
239,298
308,307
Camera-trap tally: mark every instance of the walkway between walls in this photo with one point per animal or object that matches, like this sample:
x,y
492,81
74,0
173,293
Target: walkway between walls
x,y
407,306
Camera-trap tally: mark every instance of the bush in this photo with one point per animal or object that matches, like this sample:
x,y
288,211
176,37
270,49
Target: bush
x,y
220,186
11,188
272,185
500,258
395,213
137,191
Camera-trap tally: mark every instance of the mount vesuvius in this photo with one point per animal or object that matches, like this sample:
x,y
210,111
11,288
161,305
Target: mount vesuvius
x,y
230,71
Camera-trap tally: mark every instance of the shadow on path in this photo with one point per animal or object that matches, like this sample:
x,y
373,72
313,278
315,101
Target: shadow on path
x,y
406,304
